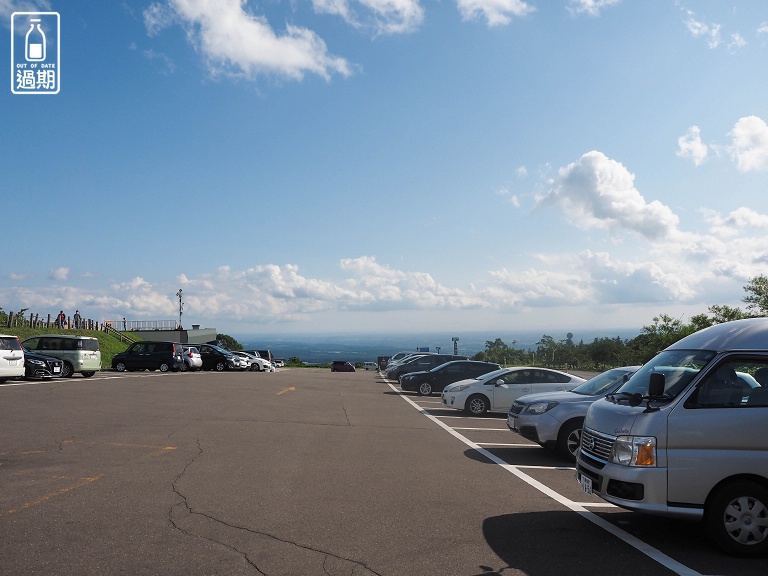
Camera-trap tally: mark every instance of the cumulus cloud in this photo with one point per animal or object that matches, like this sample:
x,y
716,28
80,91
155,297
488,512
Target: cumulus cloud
x,y
381,16
749,144
495,12
590,7
691,147
597,192
238,43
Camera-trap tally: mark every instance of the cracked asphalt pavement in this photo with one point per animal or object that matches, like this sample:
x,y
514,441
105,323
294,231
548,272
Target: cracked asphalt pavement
x,y
298,472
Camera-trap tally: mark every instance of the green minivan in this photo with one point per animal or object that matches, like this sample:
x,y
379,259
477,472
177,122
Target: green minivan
x,y
79,353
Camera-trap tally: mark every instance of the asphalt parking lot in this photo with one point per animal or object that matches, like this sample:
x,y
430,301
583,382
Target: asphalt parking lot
x,y
301,472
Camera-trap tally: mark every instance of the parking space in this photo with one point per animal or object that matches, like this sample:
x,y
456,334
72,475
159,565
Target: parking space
x,y
680,547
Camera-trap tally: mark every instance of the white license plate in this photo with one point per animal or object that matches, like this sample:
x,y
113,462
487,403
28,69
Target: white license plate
x,y
12,362
57,368
512,422
586,484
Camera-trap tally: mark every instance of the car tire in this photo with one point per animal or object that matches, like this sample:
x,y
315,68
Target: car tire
x,y
255,367
477,405
164,367
184,367
67,370
736,517
120,367
88,374
425,389
220,366
569,438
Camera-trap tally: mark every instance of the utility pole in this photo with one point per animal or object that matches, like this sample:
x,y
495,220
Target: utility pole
x,y
181,305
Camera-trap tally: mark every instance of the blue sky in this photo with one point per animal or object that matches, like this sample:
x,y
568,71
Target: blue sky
x,y
390,165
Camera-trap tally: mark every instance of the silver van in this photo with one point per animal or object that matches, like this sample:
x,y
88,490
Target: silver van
x,y
79,353
687,436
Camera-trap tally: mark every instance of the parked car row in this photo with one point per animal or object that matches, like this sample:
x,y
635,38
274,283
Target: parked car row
x,y
60,355
48,356
175,356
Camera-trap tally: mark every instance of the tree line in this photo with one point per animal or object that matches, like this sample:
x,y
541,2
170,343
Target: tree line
x,y
604,353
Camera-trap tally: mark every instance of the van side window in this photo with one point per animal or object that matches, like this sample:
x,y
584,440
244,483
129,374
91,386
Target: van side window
x,y
733,384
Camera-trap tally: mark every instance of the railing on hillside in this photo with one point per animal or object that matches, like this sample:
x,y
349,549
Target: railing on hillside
x,y
141,325
16,319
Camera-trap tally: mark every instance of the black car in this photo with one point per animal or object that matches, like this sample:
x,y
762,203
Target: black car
x,y
41,366
149,355
429,381
342,366
420,363
215,358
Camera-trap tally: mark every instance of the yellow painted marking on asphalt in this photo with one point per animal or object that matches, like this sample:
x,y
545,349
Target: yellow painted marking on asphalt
x,y
121,445
292,388
46,497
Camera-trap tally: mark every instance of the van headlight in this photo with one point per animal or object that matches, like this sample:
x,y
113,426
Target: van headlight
x,y
539,407
634,451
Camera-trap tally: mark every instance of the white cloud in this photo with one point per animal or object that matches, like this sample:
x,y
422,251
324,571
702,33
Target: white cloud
x,y
597,192
591,7
698,29
382,16
749,144
61,273
240,44
495,12
691,147
739,222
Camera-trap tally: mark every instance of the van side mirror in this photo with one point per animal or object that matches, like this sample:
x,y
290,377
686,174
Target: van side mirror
x,y
656,384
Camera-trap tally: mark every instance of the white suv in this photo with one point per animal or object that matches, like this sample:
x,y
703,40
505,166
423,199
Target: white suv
x,y
11,358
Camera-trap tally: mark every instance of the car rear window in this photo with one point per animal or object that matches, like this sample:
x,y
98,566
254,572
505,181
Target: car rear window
x,y
7,343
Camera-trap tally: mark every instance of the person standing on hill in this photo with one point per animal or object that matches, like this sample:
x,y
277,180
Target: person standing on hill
x,y
76,318
61,319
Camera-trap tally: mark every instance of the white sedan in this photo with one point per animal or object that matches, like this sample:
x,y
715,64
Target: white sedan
x,y
496,391
255,363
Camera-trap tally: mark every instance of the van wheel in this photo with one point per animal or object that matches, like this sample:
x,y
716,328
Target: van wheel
x,y
569,439
87,374
476,405
120,367
737,518
66,370
425,389
184,367
164,367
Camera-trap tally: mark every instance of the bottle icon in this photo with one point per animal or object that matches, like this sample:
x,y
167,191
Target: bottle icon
x,y
34,43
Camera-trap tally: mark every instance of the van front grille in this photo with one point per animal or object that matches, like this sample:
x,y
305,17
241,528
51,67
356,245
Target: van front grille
x,y
597,445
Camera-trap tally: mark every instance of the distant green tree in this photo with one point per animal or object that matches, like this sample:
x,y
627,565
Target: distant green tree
x,y
757,301
497,351
227,342
294,361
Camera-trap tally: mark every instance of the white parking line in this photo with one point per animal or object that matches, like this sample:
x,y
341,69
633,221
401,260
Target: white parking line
x,y
494,429
577,507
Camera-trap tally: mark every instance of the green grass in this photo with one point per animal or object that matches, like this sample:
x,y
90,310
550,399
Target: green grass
x,y
109,344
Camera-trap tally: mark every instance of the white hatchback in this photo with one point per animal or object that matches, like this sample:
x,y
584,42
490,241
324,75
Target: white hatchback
x,y
11,358
497,390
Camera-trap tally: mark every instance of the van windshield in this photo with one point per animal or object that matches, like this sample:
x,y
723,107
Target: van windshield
x,y
679,367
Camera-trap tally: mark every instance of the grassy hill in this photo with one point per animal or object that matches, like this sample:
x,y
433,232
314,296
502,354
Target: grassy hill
x,y
109,344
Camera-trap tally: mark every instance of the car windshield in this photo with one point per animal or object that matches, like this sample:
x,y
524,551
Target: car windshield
x,y
679,367
493,374
602,383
